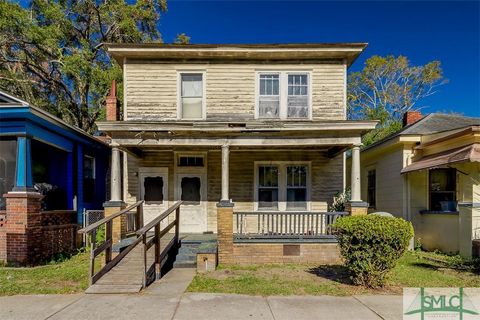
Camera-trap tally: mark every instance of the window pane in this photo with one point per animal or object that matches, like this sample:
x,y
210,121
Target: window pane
x,y
190,161
267,198
191,190
296,176
153,187
191,108
268,176
192,85
269,107
269,84
297,198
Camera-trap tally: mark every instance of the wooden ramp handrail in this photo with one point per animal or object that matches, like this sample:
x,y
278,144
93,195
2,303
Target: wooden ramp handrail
x,y
153,270
106,245
141,236
110,217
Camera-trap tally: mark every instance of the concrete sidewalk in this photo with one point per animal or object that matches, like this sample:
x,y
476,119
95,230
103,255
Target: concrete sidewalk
x,y
166,300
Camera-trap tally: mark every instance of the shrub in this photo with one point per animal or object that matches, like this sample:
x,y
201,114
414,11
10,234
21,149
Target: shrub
x,y
339,201
371,246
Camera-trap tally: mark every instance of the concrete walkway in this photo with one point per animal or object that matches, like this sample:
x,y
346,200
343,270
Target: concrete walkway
x,y
166,299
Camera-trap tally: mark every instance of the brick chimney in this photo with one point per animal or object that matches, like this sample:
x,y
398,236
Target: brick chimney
x,y
410,117
112,105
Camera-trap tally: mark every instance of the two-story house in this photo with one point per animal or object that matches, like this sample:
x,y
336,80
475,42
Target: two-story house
x,y
260,128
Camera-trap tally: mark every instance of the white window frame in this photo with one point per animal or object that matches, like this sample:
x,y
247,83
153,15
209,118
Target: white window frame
x,y
282,184
179,93
283,92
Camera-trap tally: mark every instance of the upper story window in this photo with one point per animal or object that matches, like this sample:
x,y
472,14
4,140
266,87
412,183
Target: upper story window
x,y
283,95
191,96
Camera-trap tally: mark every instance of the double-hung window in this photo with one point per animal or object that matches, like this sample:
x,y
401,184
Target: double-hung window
x,y
297,101
283,95
191,96
282,186
269,96
268,187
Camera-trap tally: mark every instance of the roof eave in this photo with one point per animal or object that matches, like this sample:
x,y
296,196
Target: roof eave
x,y
346,51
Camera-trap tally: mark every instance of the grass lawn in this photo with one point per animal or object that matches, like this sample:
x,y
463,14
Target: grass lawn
x,y
69,276
415,269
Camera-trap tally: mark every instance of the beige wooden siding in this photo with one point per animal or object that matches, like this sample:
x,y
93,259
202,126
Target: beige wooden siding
x,y
151,89
326,177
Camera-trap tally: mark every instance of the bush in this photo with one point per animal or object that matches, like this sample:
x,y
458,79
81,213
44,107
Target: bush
x,y
371,246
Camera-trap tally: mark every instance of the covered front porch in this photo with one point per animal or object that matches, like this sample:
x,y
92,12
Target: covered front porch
x,y
274,184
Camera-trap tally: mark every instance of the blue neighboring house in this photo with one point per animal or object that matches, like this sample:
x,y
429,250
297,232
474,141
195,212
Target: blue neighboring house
x,y
40,152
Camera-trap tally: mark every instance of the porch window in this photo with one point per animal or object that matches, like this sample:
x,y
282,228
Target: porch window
x,y
191,95
268,187
297,96
442,189
8,159
283,95
269,98
88,179
296,187
371,187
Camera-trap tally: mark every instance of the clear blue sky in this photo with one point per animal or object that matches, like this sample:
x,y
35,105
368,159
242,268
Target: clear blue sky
x,y
422,31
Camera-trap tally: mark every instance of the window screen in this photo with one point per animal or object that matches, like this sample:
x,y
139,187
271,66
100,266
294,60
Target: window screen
x,y
8,156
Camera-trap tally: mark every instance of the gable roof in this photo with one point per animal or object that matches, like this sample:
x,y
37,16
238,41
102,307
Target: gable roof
x,y
432,123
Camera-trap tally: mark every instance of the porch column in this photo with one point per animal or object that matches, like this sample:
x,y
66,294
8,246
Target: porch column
x,y
23,173
225,172
116,204
115,185
355,183
356,206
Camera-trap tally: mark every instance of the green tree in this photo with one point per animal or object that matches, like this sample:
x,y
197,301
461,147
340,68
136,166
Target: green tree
x,y
386,88
53,52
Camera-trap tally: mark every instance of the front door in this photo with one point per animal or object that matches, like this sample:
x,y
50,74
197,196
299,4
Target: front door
x,y
154,191
192,189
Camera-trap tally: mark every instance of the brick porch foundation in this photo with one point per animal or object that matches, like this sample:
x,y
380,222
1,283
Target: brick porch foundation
x,y
28,235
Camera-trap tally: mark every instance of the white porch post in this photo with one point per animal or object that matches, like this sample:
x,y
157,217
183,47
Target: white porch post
x,y
355,183
115,185
225,172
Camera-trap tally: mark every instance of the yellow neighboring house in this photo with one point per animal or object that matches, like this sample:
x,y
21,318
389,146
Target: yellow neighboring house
x,y
429,173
